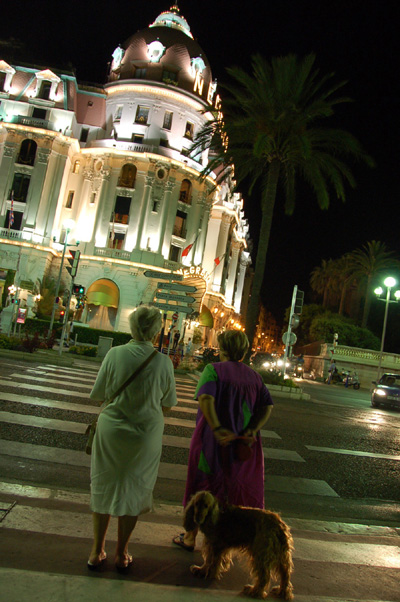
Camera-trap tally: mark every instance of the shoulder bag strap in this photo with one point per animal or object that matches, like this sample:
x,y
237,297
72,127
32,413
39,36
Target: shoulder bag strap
x,y
130,379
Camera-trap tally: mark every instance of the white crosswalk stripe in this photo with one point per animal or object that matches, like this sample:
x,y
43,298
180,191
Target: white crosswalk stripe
x,y
56,515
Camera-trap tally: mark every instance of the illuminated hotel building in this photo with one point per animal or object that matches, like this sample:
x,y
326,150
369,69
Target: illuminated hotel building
x,y
117,161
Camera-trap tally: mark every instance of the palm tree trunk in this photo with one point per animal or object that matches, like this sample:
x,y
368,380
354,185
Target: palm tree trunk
x,y
268,204
342,298
367,303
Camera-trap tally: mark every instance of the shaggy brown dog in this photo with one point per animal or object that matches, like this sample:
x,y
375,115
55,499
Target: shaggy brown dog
x,y
261,534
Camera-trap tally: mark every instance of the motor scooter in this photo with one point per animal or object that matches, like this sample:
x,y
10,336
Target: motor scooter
x,y
351,380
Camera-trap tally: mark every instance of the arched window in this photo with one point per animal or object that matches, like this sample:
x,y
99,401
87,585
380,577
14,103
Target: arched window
x,y
27,152
77,166
127,176
185,193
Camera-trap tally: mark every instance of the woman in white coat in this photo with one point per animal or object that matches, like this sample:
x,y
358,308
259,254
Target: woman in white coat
x,y
128,441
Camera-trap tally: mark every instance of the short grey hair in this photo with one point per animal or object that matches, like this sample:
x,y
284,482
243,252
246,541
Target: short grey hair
x,y
145,322
234,343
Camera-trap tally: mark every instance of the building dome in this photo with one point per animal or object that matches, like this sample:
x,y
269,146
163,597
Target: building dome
x,y
164,52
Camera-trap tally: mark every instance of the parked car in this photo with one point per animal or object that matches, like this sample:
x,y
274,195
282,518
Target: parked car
x,y
386,391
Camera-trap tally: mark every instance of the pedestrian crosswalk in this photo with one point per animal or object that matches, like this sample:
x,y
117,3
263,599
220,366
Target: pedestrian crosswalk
x,y
75,385
46,531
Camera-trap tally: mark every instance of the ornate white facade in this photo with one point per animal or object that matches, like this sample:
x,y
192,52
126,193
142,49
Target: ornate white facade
x,y
117,161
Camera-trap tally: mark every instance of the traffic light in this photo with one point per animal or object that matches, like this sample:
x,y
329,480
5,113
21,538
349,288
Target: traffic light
x,y
298,304
78,289
62,314
74,262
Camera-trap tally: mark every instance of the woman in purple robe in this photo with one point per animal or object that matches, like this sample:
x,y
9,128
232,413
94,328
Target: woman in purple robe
x,y
233,402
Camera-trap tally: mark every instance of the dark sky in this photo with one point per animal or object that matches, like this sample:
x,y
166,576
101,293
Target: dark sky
x,y
359,41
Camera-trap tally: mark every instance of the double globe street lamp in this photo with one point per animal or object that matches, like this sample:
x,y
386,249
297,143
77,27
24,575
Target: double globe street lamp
x,y
389,282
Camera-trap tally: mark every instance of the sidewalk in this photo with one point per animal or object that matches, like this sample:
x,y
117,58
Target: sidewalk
x,y
46,537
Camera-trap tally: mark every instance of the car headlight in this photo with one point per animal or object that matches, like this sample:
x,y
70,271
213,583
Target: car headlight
x,y
380,392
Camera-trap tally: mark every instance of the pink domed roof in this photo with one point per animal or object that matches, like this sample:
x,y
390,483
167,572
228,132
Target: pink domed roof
x,y
164,52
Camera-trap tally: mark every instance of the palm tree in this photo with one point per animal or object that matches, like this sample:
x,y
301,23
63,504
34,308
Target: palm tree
x,y
368,262
271,133
322,279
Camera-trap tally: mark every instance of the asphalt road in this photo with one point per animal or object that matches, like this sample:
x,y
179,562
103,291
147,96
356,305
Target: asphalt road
x,y
342,440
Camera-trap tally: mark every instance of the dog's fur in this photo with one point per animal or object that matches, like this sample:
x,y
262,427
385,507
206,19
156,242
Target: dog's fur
x,y
261,534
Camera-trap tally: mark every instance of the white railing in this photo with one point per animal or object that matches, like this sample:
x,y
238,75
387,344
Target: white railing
x,y
32,237
114,253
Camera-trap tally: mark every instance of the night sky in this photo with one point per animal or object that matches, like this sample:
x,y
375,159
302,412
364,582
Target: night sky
x,y
359,41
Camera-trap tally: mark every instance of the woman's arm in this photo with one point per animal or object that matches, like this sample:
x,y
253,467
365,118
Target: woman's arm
x,y
258,420
207,406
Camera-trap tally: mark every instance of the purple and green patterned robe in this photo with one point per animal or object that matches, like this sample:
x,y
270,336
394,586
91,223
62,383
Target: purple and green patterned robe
x,y
239,392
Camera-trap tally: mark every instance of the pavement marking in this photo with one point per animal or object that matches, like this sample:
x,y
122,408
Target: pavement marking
x,y
86,370
298,524
177,472
272,453
19,585
75,377
51,380
299,485
168,440
64,522
33,387
49,403
351,452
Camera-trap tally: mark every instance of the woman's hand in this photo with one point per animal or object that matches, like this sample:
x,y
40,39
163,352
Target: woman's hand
x,y
249,432
224,436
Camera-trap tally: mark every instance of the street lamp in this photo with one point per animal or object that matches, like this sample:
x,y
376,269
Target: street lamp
x,y
69,224
389,282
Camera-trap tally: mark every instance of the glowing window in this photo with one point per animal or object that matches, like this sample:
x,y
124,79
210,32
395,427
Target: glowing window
x,y
142,115
189,130
167,120
70,199
27,152
127,176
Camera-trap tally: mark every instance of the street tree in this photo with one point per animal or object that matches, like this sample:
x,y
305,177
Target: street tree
x,y
272,131
366,264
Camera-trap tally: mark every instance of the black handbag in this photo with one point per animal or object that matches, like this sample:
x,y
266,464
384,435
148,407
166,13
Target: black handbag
x,y
91,429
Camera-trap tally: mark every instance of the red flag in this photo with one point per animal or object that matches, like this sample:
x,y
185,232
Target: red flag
x,y
185,252
217,260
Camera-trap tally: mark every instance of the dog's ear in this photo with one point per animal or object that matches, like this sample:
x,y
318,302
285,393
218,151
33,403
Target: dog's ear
x,y
205,508
188,521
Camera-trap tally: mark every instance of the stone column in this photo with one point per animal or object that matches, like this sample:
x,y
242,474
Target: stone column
x,y
144,208
102,219
221,250
230,283
53,191
36,187
6,174
163,217
243,263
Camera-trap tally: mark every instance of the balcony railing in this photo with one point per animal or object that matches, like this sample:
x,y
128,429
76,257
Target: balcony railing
x,y
114,253
32,122
32,237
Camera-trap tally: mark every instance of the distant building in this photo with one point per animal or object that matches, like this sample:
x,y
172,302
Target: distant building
x,y
117,161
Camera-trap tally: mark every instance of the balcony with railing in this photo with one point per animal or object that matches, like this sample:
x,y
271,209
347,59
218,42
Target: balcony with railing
x,y
20,235
113,253
34,122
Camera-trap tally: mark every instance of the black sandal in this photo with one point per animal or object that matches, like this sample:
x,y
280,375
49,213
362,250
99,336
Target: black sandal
x,y
178,541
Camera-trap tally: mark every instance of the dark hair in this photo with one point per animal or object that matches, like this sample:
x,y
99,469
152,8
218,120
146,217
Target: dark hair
x,y
234,343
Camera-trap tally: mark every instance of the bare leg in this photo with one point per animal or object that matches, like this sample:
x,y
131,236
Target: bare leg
x,y
100,525
126,524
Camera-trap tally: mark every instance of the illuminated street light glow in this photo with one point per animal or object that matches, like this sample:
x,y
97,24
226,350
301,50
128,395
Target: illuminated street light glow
x,y
389,282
